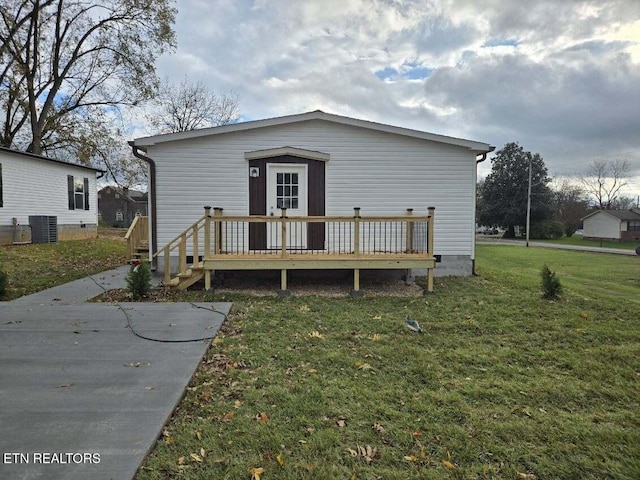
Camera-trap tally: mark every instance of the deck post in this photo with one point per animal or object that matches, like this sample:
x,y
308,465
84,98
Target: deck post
x,y
430,247
356,231
207,232
182,252
207,246
409,241
196,247
356,251
283,253
167,266
283,232
217,242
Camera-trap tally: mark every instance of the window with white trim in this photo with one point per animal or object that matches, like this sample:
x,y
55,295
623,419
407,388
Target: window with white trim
x,y
287,190
78,190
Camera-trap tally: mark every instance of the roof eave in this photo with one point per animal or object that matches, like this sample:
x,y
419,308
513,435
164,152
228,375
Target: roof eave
x,y
476,147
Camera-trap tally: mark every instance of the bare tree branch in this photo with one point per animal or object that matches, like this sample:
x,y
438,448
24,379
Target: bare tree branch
x,y
604,180
192,105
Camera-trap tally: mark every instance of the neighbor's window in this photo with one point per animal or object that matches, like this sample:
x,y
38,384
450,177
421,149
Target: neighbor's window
x,y
119,217
634,226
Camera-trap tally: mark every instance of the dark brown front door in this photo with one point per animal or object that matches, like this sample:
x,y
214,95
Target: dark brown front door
x,y
315,193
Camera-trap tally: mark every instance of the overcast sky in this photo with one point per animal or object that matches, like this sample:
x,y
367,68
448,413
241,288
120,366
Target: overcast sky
x,y
560,77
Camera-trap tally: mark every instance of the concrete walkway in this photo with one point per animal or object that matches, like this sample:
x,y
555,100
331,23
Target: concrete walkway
x,y
579,248
81,395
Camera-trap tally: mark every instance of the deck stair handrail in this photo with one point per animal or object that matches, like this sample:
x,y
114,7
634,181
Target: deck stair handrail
x,y
180,242
137,236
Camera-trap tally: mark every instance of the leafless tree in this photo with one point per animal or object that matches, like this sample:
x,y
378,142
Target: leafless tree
x,y
604,180
59,59
570,204
191,105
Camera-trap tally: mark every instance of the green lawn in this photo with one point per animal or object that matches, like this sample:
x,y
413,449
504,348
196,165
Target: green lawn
x,y
501,384
578,240
31,268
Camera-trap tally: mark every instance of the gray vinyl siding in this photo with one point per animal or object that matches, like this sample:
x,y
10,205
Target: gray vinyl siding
x,y
382,173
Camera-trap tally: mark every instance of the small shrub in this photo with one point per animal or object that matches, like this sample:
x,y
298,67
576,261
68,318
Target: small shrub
x,y
3,283
551,287
139,279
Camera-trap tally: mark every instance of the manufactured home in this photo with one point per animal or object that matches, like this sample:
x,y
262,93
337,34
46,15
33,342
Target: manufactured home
x,y
316,189
43,200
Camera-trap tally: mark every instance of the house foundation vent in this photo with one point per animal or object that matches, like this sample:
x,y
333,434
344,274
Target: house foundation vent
x,y
44,228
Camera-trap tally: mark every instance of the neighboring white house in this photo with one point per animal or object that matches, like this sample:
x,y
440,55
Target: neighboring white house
x,y
622,225
341,163
43,199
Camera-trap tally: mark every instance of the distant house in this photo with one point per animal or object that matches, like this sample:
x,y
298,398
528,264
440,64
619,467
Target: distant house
x,y
621,225
45,200
117,207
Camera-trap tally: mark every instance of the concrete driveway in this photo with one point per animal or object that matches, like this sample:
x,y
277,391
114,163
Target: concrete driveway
x,y
82,396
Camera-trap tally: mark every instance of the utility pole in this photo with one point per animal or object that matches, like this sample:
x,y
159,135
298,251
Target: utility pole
x,y
529,202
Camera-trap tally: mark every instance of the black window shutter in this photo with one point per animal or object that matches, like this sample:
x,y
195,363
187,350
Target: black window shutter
x,y
1,204
86,194
72,203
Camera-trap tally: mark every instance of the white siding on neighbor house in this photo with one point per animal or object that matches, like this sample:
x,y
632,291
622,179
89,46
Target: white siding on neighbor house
x,y
601,225
39,187
382,173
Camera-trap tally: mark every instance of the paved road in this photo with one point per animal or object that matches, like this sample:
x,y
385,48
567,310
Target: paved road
x,y
82,396
615,251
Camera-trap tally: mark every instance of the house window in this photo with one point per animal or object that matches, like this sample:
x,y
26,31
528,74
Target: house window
x,y
78,190
287,190
634,226
119,216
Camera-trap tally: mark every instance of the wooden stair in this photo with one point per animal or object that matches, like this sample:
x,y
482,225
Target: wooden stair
x,y
182,281
140,252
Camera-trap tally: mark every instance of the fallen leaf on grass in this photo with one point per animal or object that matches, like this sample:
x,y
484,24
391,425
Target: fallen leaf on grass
x,y
196,458
262,417
198,434
448,464
363,366
280,460
367,452
181,460
256,472
375,337
377,317
584,315
316,334
341,423
304,308
411,458
526,476
378,428
227,417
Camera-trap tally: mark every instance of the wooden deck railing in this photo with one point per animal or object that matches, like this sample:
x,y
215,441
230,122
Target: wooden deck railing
x,y
138,235
255,242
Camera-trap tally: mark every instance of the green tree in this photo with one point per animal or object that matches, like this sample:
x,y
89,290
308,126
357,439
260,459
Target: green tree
x,y
504,192
64,61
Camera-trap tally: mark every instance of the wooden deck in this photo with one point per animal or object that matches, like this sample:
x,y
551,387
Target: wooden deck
x,y
217,242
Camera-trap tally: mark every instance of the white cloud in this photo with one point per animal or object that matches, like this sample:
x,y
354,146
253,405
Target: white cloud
x,y
559,77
